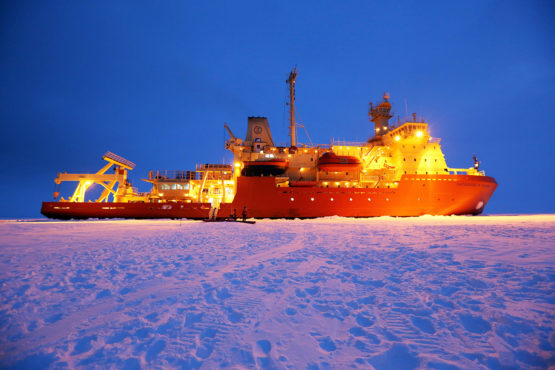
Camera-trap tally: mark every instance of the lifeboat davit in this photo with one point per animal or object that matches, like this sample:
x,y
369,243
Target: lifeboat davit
x,y
265,167
331,162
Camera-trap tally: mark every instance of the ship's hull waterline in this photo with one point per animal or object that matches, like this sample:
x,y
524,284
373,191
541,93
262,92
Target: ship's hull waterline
x,y
416,195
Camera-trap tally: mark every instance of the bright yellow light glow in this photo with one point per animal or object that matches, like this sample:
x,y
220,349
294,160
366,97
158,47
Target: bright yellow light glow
x,y
87,182
336,183
419,134
302,169
161,194
397,138
237,164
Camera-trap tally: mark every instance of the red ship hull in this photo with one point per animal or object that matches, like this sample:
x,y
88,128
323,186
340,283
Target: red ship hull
x,y
416,195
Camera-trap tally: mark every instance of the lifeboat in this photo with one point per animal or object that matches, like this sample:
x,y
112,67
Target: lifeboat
x,y
265,167
331,162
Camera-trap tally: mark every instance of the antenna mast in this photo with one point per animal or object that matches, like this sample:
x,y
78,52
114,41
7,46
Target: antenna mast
x,y
292,125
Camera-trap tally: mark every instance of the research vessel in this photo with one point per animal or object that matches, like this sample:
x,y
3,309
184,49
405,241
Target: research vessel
x,y
399,171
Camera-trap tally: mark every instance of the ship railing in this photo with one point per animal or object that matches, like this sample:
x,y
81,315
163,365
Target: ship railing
x,y
407,127
214,167
434,140
172,175
466,171
415,119
346,143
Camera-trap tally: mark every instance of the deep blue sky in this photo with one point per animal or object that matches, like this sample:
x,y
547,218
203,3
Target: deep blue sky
x,y
155,81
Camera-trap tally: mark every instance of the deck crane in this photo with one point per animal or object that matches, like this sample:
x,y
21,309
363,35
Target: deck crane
x,y
107,181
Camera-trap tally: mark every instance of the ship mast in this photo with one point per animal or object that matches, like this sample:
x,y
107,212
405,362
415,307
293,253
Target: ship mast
x,y
292,125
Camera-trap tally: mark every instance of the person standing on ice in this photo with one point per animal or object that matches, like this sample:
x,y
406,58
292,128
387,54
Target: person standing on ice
x,y
245,213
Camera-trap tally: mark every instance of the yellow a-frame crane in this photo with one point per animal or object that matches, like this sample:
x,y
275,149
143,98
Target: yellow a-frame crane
x,y
107,181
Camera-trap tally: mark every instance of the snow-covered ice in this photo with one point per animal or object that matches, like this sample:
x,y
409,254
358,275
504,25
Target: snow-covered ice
x,y
428,292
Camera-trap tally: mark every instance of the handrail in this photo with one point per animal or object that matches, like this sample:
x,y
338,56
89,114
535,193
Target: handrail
x,y
214,167
172,175
346,143
467,171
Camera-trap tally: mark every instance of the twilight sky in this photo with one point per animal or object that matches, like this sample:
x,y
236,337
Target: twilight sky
x,y
155,81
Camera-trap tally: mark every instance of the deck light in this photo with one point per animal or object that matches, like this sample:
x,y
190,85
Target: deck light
x,y
419,133
397,138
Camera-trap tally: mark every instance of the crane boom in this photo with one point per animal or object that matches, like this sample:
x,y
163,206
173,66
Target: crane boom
x,y
229,131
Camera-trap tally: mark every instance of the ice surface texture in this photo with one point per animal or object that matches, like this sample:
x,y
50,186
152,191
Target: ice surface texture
x,y
429,292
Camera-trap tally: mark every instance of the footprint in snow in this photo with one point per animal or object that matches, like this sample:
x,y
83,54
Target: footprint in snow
x,y
475,324
327,344
154,350
423,324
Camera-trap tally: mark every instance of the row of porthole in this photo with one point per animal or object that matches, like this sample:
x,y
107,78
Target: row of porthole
x,y
350,199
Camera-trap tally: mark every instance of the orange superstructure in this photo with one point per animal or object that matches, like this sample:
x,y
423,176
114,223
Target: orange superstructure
x,y
399,171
